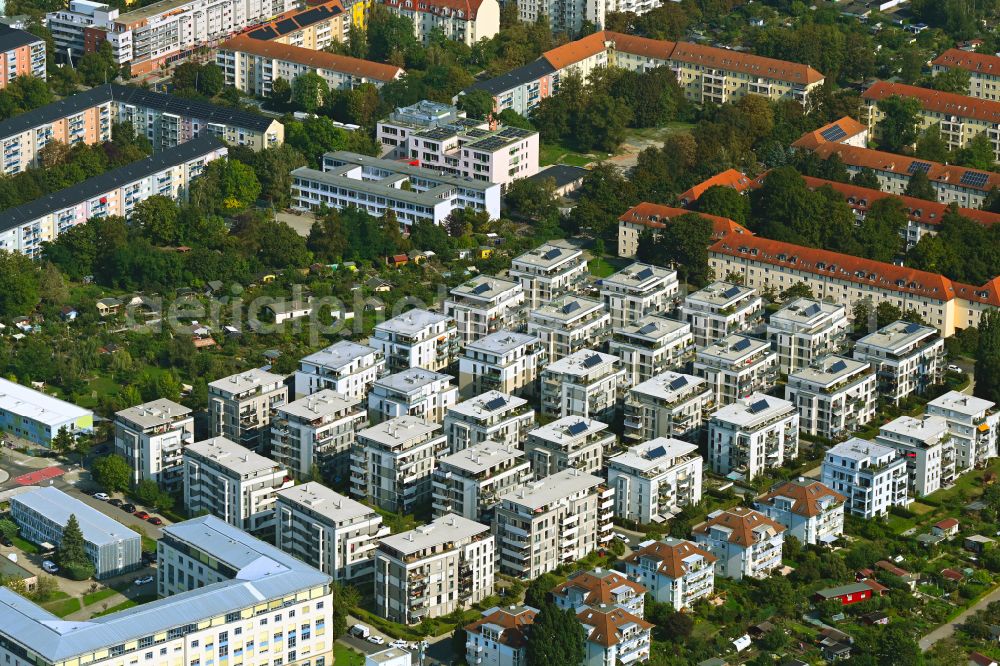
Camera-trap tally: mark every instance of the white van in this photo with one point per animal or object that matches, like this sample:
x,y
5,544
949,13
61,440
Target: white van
x,y
361,631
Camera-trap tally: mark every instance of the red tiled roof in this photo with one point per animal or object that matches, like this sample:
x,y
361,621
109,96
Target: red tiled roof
x,y
952,574
311,58
469,8
671,556
805,496
574,52
810,140
981,659
945,103
728,178
981,63
515,624
885,565
876,586
652,216
606,624
598,587
741,521
947,524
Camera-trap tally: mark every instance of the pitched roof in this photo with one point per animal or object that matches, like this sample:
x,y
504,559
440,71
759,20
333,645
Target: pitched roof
x,y
514,623
945,103
980,63
946,524
741,522
309,57
655,216
575,51
728,178
598,587
805,496
849,126
746,63
11,38
296,20
532,71
468,8
841,590
889,567
607,624
671,554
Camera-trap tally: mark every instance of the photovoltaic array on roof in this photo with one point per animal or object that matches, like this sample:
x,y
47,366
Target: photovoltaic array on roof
x,y
678,382
835,133
758,407
839,366
572,306
552,254
592,361
645,273
648,328
974,178
577,428
742,344
912,328
658,452
481,288
811,310
495,403
732,291
918,166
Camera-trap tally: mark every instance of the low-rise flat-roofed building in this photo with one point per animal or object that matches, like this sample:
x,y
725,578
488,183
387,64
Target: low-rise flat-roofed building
x,y
551,521
151,437
572,442
928,449
412,392
317,432
472,481
754,434
333,533
346,367
805,330
495,416
653,480
416,339
745,542
811,512
638,291
37,417
586,383
434,570
736,366
549,271
668,405
719,310
500,636
392,462
674,571
908,358
504,361
602,588
42,512
871,477
233,483
972,423
834,396
651,346
485,305
569,324
240,406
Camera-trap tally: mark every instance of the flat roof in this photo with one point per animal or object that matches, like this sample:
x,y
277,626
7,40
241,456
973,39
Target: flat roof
x,y
897,335
807,311
926,428
244,381
109,180
399,430
755,409
516,77
656,453
340,177
228,454
568,428
568,308
37,406
670,385
654,327
549,254
339,354
732,348
446,529
562,174
485,405
962,403
860,449
494,286
57,506
154,413
393,166
325,502
412,322
541,493
830,369
721,294
481,457
412,379
319,404
501,342
582,363
639,276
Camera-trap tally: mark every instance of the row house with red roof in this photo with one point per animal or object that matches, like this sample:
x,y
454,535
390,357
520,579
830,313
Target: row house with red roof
x,y
983,69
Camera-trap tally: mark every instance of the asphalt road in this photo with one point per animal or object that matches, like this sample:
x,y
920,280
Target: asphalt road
x,y
946,630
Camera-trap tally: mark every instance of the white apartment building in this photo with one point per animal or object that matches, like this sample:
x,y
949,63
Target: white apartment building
x,y
673,571
668,405
568,324
378,186
472,22
240,406
614,636
972,423
653,480
600,587
719,310
549,271
746,543
443,138
806,329
151,438
572,442
870,476
232,483
504,361
928,449
68,25
908,358
736,366
317,431
392,462
651,346
552,521
811,512
485,305
500,636
638,291
334,533
434,570
346,367
416,339
834,396
754,434
494,416
412,392
472,481
567,16
586,383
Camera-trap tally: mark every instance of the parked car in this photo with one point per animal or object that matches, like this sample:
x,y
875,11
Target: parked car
x,y
141,515
399,643
954,368
115,502
360,630
49,566
377,640
155,520
104,497
128,508
5,540
145,580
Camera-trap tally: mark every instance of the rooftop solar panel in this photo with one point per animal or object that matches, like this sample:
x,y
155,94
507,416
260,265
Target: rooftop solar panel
x,y
481,288
648,328
644,274
495,403
286,26
813,309
658,452
839,366
264,34
311,16
758,407
912,328
835,133
678,382
974,178
554,253
577,428
918,166
572,306
732,291
592,360
743,343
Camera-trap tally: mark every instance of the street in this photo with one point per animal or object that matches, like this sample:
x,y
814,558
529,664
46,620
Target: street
x,y
947,629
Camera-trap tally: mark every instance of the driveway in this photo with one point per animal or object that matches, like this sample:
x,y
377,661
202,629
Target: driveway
x,y
946,630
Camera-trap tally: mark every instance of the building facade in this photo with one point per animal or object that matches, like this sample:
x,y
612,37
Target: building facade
x,y
972,424
871,477
754,434
317,432
346,367
736,366
471,482
572,442
500,636
485,305
721,309
674,571
638,291
908,358
811,512
586,383
927,447
653,480
668,405
416,339
745,543
493,416
470,23
651,346
549,271
806,329
504,361
21,54
834,397
412,392
151,438
240,407
569,324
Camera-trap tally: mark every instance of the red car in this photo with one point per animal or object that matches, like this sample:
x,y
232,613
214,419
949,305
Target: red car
x,y
141,515
155,520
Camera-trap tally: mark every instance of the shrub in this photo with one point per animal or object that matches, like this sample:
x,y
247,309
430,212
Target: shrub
x,y
79,570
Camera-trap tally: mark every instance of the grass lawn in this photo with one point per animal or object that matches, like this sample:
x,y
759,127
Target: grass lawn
x,y
920,508
345,656
26,546
63,607
554,153
602,267
100,386
99,595
128,603
657,133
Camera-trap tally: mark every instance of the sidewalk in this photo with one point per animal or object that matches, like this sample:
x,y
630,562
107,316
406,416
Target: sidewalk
x,y
946,630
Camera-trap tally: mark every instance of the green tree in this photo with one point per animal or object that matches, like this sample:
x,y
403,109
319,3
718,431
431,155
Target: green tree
x,y
686,241
309,90
898,127
19,277
725,202
281,91
879,232
98,67
977,153
797,290
156,218
327,238
225,186
932,146
537,594
920,187
954,80
112,473
71,555
476,104
987,373
886,313
557,638
866,178
62,443
390,37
